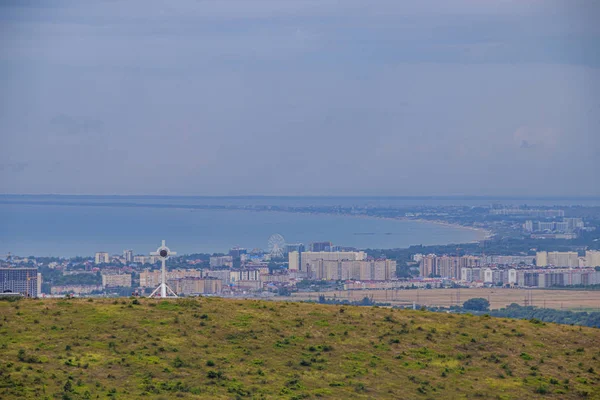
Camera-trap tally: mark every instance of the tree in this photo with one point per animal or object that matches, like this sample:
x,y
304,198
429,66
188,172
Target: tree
x,y
477,304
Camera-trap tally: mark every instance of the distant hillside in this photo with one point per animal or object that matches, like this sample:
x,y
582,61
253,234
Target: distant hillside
x,y
220,348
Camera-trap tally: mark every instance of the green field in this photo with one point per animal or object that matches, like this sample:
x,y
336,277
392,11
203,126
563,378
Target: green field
x,y
223,348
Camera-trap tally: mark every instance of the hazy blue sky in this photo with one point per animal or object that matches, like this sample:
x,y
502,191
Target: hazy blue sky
x,y
300,97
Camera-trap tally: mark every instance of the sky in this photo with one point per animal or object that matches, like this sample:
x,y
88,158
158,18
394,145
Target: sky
x,y
300,97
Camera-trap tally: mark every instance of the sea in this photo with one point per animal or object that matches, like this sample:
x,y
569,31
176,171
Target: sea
x,y
67,226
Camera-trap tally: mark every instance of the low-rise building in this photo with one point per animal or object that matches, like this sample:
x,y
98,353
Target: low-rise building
x,y
195,285
153,278
75,289
116,280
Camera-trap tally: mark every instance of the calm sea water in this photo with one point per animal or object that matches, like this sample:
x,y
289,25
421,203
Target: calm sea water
x,y
82,225
69,230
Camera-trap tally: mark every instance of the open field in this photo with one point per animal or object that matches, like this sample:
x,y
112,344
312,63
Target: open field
x,y
498,297
227,349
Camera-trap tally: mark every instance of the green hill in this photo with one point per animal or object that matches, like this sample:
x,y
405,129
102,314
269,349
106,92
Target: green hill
x,y
221,348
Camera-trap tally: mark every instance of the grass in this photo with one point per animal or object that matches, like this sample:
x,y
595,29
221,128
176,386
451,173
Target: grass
x,y
223,348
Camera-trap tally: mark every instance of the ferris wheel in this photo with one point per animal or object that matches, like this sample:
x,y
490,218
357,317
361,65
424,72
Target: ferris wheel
x,y
276,245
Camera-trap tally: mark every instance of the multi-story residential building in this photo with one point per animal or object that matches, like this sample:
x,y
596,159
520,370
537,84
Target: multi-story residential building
x,y
364,270
247,285
528,212
222,274
26,281
509,260
145,259
592,258
196,285
152,278
545,226
300,261
428,266
561,226
446,266
471,274
116,280
75,289
128,256
283,277
574,223
101,257
563,258
221,261
245,275
541,259
497,276
558,277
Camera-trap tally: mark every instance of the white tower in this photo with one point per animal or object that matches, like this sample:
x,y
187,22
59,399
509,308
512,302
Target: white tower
x,y
163,252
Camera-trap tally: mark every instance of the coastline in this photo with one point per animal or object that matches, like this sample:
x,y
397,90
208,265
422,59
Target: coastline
x,y
484,234
382,243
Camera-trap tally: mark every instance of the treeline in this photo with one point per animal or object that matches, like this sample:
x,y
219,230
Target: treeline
x,y
366,301
514,310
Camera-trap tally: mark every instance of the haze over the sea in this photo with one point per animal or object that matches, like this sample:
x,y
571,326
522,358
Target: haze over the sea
x,y
91,225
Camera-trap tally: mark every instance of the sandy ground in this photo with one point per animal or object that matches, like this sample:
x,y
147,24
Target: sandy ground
x,y
498,298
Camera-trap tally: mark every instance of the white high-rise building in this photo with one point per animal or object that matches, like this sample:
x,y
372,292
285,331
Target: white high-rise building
x,y
102,258
128,255
512,276
488,275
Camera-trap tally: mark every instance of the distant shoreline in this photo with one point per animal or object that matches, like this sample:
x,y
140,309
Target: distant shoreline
x,y
379,242
484,233
398,197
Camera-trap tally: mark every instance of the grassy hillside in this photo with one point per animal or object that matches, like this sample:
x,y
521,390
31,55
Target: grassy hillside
x,y
219,348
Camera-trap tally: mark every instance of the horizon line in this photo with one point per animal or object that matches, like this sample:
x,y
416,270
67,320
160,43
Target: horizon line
x,y
371,196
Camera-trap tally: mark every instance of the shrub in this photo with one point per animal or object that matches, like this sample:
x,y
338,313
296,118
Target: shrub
x,y
526,356
178,362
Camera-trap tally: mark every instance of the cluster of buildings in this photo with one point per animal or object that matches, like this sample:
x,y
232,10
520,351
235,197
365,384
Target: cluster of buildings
x,y
528,212
127,257
432,265
566,225
531,277
567,259
568,228
341,265
183,281
544,270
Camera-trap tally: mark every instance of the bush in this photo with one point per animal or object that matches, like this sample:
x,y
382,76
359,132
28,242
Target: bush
x,y
178,362
477,304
